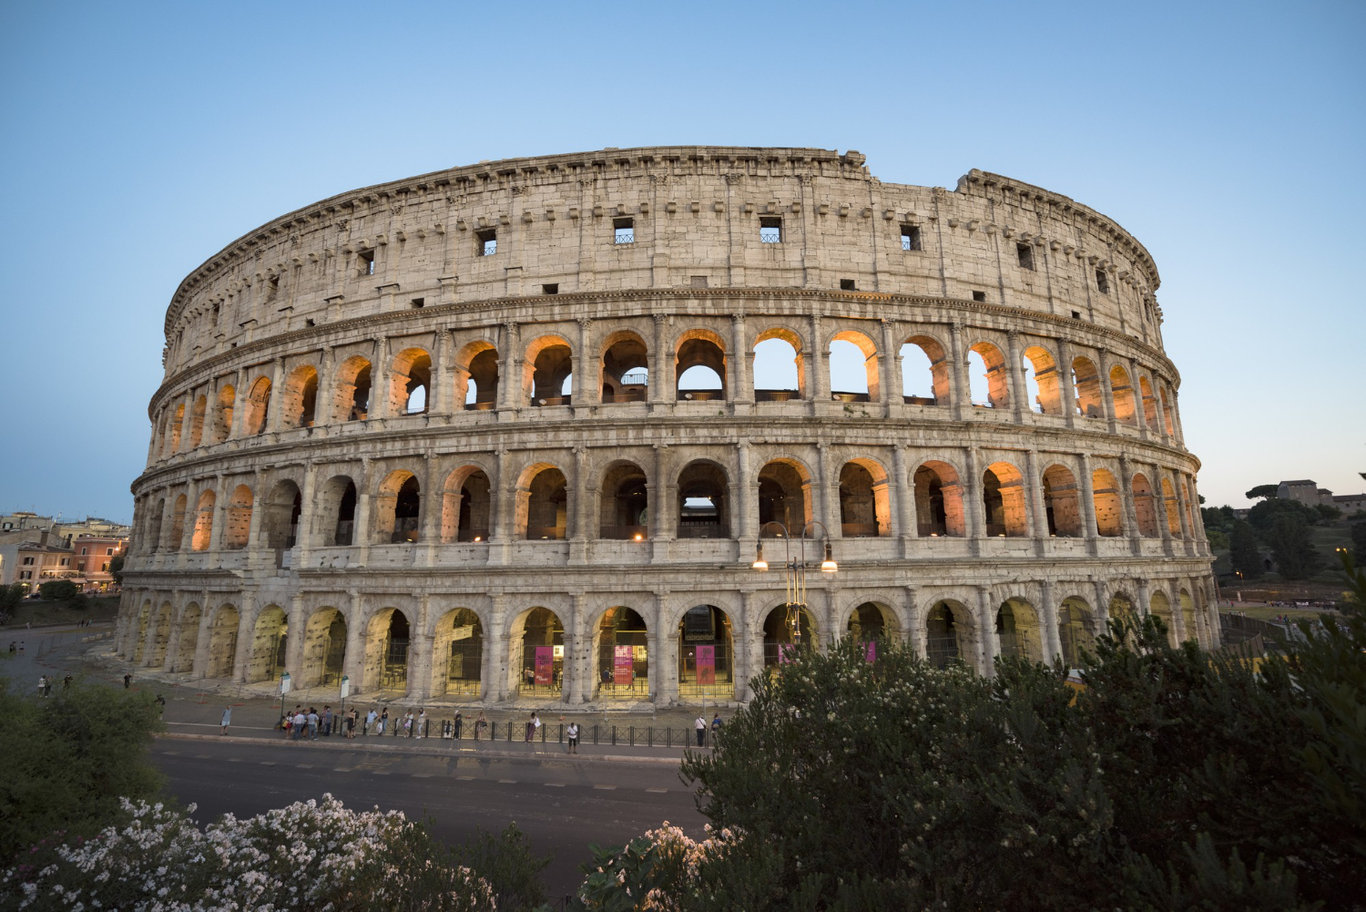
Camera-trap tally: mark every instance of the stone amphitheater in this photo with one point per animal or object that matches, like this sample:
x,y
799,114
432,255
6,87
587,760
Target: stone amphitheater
x,y
514,433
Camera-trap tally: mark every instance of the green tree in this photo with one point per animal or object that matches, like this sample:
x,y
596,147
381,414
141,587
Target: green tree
x,y
59,590
68,760
1264,515
1359,541
10,597
1328,512
116,568
1292,547
1243,551
1261,491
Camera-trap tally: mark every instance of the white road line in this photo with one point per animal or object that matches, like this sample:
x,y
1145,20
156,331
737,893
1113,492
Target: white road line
x,y
554,785
658,791
507,781
605,788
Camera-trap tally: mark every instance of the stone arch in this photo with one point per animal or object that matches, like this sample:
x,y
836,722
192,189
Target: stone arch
x,y
994,390
949,633
543,504
1145,388
536,655
201,406
222,412
938,501
1018,631
788,628
398,508
1041,380
700,366
922,354
161,635
177,426
865,500
1122,395
779,360
300,402
337,511
706,654
410,382
1160,607
144,619
873,624
703,510
222,642
1121,608
187,640
1109,506
280,516
1003,498
624,503
624,368
783,494
1076,630
257,407
476,376
1086,381
466,505
621,661
351,394
1145,507
548,371
865,383
387,640
179,513
458,655
1062,502
1173,508
203,522
269,642
237,519
324,653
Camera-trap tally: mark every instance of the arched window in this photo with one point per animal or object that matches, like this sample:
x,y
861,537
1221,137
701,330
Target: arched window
x,y
203,522
258,406
864,507
222,413
1123,396
1145,507
625,369
1086,381
700,367
543,507
624,510
938,501
853,368
300,396
778,367
1109,507
987,376
549,367
1041,381
398,508
924,372
410,380
1061,503
702,508
237,520
1003,498
351,401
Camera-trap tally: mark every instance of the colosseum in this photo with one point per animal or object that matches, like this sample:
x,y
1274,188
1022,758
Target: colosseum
x,y
514,433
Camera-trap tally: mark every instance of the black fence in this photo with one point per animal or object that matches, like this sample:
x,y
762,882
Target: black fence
x,y
514,732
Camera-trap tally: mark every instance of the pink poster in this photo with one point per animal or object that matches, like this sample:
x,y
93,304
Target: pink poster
x,y
787,652
622,665
706,664
870,650
545,665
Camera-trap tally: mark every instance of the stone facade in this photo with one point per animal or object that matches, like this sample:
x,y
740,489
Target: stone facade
x,y
514,431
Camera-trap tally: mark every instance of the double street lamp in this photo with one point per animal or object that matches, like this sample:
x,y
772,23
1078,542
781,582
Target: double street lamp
x,y
794,569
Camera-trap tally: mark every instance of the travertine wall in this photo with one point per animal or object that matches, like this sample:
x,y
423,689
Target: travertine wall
x,y
428,426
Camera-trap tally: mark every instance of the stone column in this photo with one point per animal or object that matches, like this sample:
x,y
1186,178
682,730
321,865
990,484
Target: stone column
x,y
662,505
663,653
1019,405
380,380
1126,497
818,370
987,643
361,532
497,652
661,360
1067,392
1038,511
353,661
582,392
441,395
274,410
583,494
960,385
902,492
296,627
741,382
889,376
420,646
220,512
510,392
747,509
1048,623
830,492
974,508
1088,503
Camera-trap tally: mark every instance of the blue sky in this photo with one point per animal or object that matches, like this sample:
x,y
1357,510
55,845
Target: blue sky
x,y
140,138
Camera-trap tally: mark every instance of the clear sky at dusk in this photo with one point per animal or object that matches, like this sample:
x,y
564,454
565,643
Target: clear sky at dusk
x,y
141,138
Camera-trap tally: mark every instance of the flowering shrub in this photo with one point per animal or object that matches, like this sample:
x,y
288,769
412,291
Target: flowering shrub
x,y
661,871
310,855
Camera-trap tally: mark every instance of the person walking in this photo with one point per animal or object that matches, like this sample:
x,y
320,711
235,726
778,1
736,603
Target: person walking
x,y
456,725
573,733
226,720
479,725
701,725
531,725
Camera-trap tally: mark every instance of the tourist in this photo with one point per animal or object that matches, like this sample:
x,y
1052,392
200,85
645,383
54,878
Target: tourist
x,y
573,732
227,719
312,724
479,725
327,720
701,725
456,725
421,725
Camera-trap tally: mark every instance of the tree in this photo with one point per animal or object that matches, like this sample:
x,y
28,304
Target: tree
x,y
1359,541
1327,512
1243,551
116,568
1264,515
1265,490
10,597
59,590
1292,547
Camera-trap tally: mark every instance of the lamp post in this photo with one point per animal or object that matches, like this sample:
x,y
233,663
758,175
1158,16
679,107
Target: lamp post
x,y
795,571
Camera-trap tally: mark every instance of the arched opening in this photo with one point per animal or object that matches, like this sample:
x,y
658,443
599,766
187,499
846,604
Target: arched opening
x,y
477,383
782,496
781,641
924,372
300,397
864,500
465,506
458,655
338,512
853,368
161,636
543,506
706,668
1017,631
537,642
268,643
188,640
398,507
178,517
1122,394
1076,631
1189,621
938,501
1121,608
1003,499
222,642
702,508
1109,507
203,522
177,423
1172,507
1041,381
351,398
386,651
1168,425
237,519
625,369
222,413
987,376
258,407
700,366
1145,389
410,382
1061,502
549,371
201,406
1160,607
622,656
778,367
1145,507
942,645
154,522
1086,381
324,648
624,509
873,627
280,521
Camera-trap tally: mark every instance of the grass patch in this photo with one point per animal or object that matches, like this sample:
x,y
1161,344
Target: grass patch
x,y
41,613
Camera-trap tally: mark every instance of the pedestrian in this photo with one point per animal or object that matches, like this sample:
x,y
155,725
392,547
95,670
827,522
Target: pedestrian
x,y
351,718
421,725
127,679
370,719
327,721
300,723
66,682
161,706
457,724
479,725
715,727
312,724
701,725
42,685
531,725
573,732
227,719
383,720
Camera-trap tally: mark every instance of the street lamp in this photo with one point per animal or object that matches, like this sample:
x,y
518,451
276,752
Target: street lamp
x,y
795,571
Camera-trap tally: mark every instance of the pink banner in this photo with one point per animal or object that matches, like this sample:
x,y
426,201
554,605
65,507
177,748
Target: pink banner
x,y
545,665
786,653
622,665
870,650
706,664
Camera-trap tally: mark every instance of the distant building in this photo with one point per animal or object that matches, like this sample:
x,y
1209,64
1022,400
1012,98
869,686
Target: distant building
x,y
23,521
69,532
35,561
93,555
1308,492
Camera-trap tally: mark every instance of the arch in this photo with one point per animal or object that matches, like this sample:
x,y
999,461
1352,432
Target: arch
x,y
222,642
1173,508
543,504
178,516
280,516
177,426
222,412
536,654
703,511
783,487
624,503
398,508
324,653
865,508
300,402
257,407
700,367
154,522
780,366
919,355
1160,607
1145,389
466,506
1122,395
1086,381
476,376
624,369
140,644
993,390
387,638
1076,631
874,625
1061,502
1041,380
854,375
337,516
938,501
1017,631
410,382
621,656
237,519
1121,608
706,654
161,636
201,405
548,371
458,655
269,642
1189,620
1109,508
203,522
1145,507
781,640
188,640
351,395
1003,499
948,626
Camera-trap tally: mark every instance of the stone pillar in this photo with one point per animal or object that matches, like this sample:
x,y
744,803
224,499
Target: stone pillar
x,y
381,372
510,392
441,394
583,494
1048,624
662,503
274,410
960,386
1019,405
498,650
420,645
747,508
582,392
1068,393
1088,503
324,401
353,661
296,628
1126,497
818,370
661,361
220,512
889,376
1038,511
829,491
577,686
258,505
663,653
741,382
974,508
988,645
360,529
308,515
1163,521
902,492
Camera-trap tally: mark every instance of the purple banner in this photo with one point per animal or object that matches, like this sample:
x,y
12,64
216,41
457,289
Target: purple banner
x,y
545,665
623,665
706,664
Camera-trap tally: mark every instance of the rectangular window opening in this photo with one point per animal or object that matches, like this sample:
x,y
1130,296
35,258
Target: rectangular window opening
x,y
366,259
551,288
419,302
771,230
848,285
1025,254
1102,281
1076,315
486,242
979,296
623,231
910,237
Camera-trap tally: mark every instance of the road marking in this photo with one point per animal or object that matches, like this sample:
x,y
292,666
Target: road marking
x,y
605,788
343,769
420,775
507,781
658,791
554,785
465,778
380,773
